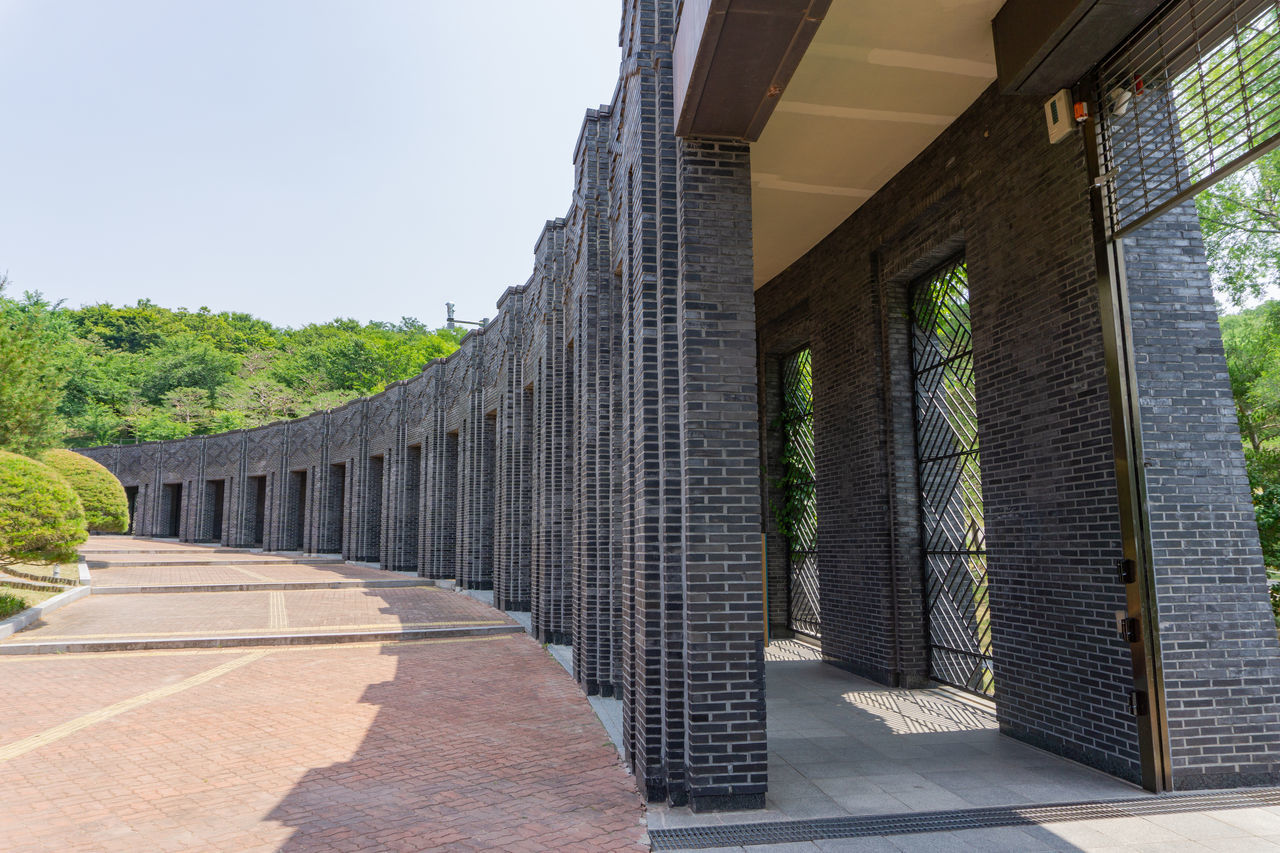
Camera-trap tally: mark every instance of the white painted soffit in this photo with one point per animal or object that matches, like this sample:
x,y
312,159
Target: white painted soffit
x,y
880,82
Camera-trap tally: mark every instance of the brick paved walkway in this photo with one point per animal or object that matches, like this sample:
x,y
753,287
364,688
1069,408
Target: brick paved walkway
x,y
475,743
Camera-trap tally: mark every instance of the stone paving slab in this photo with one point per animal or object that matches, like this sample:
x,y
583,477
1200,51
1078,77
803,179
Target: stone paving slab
x,y
120,618
476,744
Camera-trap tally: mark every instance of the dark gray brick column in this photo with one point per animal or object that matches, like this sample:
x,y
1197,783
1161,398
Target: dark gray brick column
x,y
513,513
476,470
439,529
551,590
589,307
634,199
1220,656
725,747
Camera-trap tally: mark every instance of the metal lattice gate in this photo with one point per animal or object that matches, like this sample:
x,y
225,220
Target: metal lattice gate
x,y
799,514
951,521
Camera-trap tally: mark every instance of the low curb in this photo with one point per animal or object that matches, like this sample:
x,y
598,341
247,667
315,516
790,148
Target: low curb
x,y
17,622
47,580
260,587
16,582
179,643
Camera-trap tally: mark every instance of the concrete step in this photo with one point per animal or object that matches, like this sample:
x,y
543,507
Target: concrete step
x,y
247,640
190,549
213,560
263,586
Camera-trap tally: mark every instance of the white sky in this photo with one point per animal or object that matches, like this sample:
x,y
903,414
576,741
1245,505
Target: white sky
x,y
295,159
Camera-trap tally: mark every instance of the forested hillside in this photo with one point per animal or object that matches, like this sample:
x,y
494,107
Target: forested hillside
x,y
143,372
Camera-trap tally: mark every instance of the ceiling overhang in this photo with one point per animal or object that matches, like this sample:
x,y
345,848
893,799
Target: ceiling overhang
x,y
838,96
734,58
1046,45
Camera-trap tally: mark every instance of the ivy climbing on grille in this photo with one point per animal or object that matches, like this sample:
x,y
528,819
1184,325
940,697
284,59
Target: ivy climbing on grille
x,y
798,514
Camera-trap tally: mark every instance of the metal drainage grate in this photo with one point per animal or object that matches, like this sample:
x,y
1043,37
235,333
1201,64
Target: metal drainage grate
x,y
824,829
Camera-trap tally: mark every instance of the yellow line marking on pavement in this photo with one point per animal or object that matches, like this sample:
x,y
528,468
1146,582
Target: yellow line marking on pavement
x,y
252,632
310,647
69,728
277,618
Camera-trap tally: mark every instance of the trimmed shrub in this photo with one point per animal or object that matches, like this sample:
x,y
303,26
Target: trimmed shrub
x,y
11,604
106,509
41,519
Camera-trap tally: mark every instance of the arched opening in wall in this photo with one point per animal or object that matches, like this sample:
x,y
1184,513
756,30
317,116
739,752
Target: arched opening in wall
x,y
215,495
296,511
334,512
411,508
257,511
131,497
171,509
952,527
373,510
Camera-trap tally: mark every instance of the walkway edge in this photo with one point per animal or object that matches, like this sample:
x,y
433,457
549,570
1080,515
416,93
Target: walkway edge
x,y
180,643
16,623
261,587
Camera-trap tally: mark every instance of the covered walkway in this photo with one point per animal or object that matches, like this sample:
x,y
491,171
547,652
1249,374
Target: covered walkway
x,y
848,756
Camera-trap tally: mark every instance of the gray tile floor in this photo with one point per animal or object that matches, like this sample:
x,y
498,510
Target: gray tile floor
x,y
840,745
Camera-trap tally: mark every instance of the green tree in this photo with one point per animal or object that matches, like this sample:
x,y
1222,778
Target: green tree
x,y
186,362
31,375
1240,219
144,372
1251,340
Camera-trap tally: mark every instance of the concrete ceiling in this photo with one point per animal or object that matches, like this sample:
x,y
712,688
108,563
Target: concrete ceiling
x,y
879,83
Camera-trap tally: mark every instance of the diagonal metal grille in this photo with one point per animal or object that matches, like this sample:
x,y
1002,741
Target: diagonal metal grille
x,y
800,511
952,532
1189,98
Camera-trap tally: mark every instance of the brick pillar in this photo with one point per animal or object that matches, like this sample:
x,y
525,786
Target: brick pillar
x,y
1220,656
439,527
476,469
551,590
642,185
513,462
725,747
590,306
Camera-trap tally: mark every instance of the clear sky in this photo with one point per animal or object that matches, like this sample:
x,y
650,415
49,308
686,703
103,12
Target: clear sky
x,y
296,159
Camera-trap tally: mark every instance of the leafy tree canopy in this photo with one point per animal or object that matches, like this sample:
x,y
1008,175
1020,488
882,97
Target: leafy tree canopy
x,y
102,374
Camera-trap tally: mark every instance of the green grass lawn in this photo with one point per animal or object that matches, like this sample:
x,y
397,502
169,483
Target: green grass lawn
x,y
14,600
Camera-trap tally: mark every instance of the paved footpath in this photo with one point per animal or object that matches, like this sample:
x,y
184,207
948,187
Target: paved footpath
x,y
478,741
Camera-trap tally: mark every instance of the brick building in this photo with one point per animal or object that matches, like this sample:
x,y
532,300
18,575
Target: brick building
x,y
833,341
